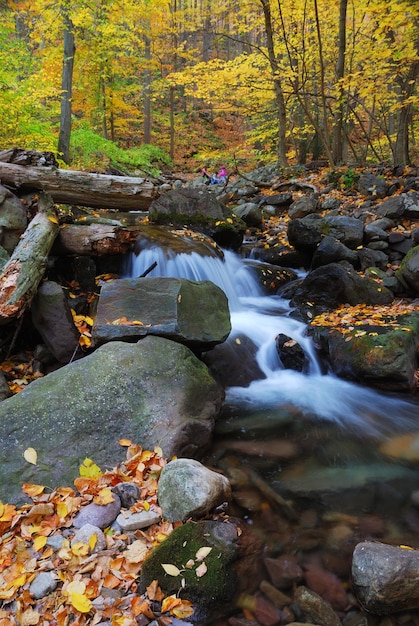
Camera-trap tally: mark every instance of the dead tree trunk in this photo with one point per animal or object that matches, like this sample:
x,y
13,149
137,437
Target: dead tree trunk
x,y
124,193
93,240
24,271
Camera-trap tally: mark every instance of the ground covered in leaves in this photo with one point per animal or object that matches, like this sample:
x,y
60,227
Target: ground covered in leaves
x,y
92,585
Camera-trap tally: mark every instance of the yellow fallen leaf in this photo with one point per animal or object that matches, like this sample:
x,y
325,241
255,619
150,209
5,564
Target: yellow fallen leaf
x,y
39,543
80,602
80,548
125,442
105,496
30,455
170,603
92,541
62,510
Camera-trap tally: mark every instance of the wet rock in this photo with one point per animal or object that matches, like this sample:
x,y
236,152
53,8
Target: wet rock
x,y
382,356
327,585
13,219
314,608
290,352
385,578
270,277
233,363
194,313
98,515
284,571
187,488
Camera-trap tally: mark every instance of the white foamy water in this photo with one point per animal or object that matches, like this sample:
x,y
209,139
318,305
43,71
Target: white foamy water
x,y
262,318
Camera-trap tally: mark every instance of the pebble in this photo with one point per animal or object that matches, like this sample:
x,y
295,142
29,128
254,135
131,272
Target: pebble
x,y
84,535
42,585
134,521
97,514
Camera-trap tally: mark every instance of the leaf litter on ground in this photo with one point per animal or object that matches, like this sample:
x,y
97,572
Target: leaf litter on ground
x,y
90,586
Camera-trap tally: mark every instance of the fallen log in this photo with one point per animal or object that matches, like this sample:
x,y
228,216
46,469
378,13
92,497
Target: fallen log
x,y
23,272
125,193
93,240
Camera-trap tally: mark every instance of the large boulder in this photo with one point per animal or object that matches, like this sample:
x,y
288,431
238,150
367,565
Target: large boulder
x,y
186,205
194,313
408,272
307,232
155,392
222,558
382,356
338,283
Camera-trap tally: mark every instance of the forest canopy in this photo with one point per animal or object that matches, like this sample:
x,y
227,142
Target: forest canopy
x,y
155,80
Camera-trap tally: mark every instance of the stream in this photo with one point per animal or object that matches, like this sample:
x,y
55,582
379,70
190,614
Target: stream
x,y
308,436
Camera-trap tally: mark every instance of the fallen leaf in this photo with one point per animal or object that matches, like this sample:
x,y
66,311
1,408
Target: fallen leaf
x,y
202,553
105,496
201,570
170,569
137,552
30,455
170,603
80,602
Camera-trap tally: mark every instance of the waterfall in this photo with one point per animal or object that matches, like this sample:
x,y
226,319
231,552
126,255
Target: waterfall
x,y
315,394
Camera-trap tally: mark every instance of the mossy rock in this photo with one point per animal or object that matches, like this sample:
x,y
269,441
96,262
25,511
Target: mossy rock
x,y
209,592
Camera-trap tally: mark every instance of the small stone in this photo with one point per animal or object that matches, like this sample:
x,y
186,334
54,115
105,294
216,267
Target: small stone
x,y
84,535
187,488
55,542
133,521
128,493
314,608
42,585
98,515
284,571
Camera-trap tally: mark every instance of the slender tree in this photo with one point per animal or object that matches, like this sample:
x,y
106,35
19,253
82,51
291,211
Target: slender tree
x,y
66,86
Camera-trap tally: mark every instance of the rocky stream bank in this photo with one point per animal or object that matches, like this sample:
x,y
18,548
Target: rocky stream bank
x,y
153,377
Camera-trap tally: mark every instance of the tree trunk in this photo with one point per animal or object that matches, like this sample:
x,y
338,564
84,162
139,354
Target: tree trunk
x,y
147,91
83,188
340,73
279,95
67,90
24,271
93,240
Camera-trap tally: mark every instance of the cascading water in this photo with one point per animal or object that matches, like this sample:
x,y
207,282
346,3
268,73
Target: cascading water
x,y
261,318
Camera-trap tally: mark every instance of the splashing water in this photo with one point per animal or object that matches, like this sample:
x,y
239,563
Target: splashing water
x,y
261,318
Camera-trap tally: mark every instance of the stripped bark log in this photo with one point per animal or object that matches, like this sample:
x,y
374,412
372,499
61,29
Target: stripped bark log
x,y
24,271
93,240
124,193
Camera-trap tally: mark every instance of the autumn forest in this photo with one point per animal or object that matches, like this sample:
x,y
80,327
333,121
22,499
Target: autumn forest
x,y
182,82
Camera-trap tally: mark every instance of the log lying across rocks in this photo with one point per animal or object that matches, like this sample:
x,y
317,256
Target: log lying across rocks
x,y
124,193
24,271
